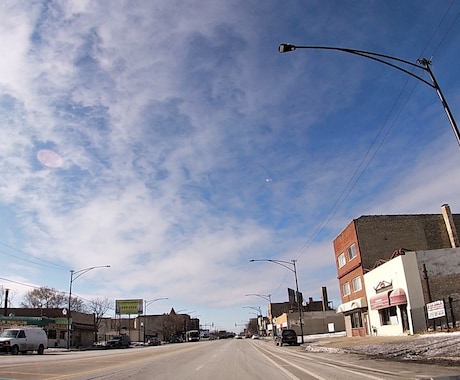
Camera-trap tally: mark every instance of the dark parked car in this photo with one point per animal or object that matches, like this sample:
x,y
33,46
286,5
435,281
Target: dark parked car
x,y
287,336
119,341
154,341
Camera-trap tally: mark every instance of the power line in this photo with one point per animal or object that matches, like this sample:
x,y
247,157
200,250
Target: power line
x,y
358,173
20,283
49,263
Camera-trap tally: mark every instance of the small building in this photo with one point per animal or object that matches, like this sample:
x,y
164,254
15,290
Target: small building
x,y
164,327
83,328
314,322
318,317
398,290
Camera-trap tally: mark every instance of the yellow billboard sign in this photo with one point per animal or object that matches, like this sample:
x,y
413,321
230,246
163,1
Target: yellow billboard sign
x,y
129,306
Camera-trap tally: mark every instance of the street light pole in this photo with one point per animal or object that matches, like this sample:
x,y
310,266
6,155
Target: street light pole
x,y
147,303
259,314
78,274
268,298
422,63
293,269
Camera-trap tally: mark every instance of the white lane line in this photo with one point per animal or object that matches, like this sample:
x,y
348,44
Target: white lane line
x,y
197,369
280,367
329,364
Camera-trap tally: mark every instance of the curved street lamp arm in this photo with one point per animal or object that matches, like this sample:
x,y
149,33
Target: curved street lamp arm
x,y
265,297
279,262
254,308
149,302
81,272
422,63
283,48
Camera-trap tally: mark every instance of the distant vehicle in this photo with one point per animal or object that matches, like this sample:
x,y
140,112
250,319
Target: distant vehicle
x,y
287,336
119,341
17,340
154,341
205,334
192,336
176,339
255,336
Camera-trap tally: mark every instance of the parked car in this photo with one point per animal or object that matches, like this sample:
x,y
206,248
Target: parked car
x,y
119,341
287,336
255,336
17,340
176,339
153,341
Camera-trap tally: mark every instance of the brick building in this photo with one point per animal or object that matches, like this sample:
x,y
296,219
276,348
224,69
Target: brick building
x,y
371,238
83,325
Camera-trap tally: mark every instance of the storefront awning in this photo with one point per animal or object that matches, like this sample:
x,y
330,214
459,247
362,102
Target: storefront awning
x,y
380,301
81,326
398,297
358,303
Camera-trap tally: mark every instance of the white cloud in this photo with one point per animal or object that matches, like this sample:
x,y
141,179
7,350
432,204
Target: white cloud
x,y
169,118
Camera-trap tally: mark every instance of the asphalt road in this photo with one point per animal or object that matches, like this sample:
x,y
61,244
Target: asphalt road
x,y
224,359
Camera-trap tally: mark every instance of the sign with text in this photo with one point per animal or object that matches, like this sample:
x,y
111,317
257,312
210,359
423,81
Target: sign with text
x,y
129,306
436,309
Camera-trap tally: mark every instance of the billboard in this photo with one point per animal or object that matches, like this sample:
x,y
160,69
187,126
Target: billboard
x,y
129,306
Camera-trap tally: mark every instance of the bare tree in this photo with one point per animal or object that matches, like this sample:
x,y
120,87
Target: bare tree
x,y
252,326
45,297
99,306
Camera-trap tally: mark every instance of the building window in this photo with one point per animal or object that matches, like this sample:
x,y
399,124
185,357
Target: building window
x,y
388,316
346,289
341,260
356,320
351,250
356,284
51,334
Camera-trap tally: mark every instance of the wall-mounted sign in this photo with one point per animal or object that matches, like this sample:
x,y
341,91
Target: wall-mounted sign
x,y
436,309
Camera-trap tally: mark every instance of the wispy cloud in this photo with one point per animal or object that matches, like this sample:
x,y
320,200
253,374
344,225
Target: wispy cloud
x,y
187,145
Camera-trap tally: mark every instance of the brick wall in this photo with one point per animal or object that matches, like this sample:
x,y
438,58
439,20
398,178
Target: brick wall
x,y
380,235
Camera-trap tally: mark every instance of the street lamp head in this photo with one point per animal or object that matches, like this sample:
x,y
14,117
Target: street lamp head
x,y
284,48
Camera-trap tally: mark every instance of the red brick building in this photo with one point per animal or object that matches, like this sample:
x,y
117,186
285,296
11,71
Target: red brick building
x,y
371,238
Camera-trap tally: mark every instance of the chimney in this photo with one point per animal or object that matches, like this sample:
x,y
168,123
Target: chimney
x,y
325,299
449,221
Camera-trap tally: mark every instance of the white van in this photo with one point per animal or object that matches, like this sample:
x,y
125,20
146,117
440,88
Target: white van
x,y
22,339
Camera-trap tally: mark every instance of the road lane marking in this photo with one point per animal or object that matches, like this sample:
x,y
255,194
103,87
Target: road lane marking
x,y
328,363
197,369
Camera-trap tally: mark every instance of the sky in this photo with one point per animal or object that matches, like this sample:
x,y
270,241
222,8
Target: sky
x,y
172,141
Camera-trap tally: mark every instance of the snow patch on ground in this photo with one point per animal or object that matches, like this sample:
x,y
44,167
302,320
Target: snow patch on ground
x,y
426,347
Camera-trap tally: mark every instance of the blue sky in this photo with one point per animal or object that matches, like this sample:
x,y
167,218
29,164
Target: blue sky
x,y
172,141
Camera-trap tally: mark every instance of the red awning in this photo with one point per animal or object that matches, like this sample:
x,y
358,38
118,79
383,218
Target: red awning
x,y
398,297
380,301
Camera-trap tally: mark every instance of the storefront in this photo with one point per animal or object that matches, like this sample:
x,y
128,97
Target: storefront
x,y
355,314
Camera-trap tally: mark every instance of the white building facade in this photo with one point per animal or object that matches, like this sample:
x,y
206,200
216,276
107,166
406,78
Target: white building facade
x,y
395,297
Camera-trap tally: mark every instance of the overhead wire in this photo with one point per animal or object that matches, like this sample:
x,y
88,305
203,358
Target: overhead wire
x,y
48,263
376,143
